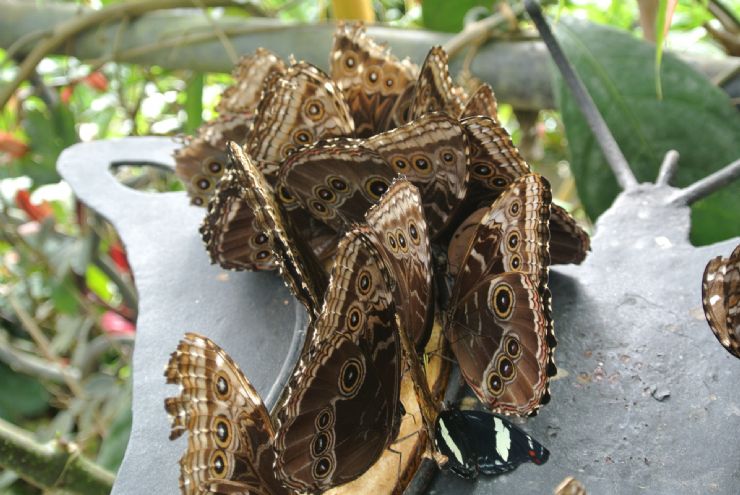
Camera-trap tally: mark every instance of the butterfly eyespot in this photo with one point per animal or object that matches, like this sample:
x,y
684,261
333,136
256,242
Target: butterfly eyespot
x,y
350,377
337,184
500,182
221,384
482,170
318,207
202,183
302,137
401,241
325,419
400,163
392,242
512,240
263,255
215,167
505,368
516,262
502,301
447,155
354,319
512,347
320,443
514,208
314,109
287,151
322,468
364,282
375,187
325,194
421,164
198,201
221,426
218,464
495,384
372,75
260,238
285,195
349,62
413,233
389,82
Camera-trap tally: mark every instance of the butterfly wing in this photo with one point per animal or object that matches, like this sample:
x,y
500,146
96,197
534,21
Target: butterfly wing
x,y
301,271
435,91
230,433
342,408
336,181
250,75
431,152
377,86
494,164
498,322
482,102
721,299
401,232
297,109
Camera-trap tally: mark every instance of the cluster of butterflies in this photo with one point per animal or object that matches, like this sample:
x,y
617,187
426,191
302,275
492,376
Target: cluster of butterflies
x,y
415,197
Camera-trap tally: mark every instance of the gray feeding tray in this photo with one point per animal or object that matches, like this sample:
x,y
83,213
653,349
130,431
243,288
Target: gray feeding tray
x,y
646,400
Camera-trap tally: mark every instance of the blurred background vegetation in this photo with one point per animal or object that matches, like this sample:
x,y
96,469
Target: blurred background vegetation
x,y
68,302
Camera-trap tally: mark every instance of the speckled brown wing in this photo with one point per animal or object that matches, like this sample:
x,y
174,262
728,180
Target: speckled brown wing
x,y
498,321
230,230
297,109
250,75
435,91
481,102
335,181
432,153
201,162
401,233
342,407
378,87
302,272
494,164
229,430
721,299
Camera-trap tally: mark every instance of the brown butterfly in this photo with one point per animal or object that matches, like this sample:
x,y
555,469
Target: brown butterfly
x,y
720,291
296,108
498,319
378,87
202,161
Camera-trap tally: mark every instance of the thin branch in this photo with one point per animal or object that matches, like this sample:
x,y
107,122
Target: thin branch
x,y
225,41
604,137
32,365
76,25
478,31
55,465
668,168
706,186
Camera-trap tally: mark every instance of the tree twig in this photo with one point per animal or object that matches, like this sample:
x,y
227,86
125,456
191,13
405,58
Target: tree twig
x,y
76,25
668,168
603,135
54,465
477,31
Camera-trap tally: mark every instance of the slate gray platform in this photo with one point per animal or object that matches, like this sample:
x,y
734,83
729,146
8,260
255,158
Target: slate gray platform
x,y
646,401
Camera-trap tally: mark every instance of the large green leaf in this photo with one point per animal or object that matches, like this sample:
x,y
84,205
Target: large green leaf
x,y
443,15
694,117
23,397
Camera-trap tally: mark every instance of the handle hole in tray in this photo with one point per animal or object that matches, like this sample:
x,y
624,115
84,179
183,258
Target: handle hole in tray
x,y
146,176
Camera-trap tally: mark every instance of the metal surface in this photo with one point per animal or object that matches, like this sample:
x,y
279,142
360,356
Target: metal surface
x,y
646,400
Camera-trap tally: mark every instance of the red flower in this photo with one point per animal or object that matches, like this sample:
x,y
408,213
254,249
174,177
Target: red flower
x,y
12,145
97,80
113,323
35,212
66,93
118,255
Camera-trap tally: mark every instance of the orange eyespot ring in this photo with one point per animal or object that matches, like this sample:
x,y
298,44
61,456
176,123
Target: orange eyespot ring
x,y
515,207
414,233
221,386
287,151
221,427
364,282
500,182
325,194
422,164
515,263
350,61
402,241
325,419
215,167
337,183
447,155
202,183
495,384
392,242
502,300
400,163
482,170
302,137
506,368
285,196
320,443
512,347
375,187
218,465
354,319
314,109
373,74
512,240
351,377
322,467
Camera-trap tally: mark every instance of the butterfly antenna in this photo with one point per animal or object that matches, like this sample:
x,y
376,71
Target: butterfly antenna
x,y
604,137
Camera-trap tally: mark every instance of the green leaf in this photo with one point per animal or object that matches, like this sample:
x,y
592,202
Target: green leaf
x,y
23,397
443,15
194,103
694,117
97,281
63,296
